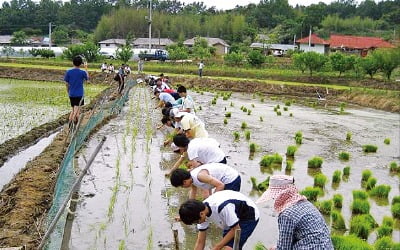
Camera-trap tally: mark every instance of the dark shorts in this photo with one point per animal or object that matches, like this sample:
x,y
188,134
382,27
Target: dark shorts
x,y
76,101
247,228
234,185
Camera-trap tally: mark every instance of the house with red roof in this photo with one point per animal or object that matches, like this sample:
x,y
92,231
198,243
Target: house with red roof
x,y
313,43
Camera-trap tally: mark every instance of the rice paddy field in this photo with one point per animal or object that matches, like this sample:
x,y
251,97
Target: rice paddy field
x,y
344,158
27,104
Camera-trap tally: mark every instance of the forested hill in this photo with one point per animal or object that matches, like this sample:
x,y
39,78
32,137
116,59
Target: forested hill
x,y
173,19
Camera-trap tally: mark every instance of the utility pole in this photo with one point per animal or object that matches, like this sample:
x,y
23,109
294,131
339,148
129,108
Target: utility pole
x,y
50,35
150,24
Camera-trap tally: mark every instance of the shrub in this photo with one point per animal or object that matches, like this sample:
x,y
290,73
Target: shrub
x,y
255,58
346,171
368,148
386,141
371,183
338,221
228,115
337,200
360,206
236,135
244,125
360,194
383,243
381,191
325,207
315,162
396,210
291,150
320,180
337,175
349,242
234,58
362,225
366,174
348,136
247,134
298,137
269,160
344,156
311,193
394,167
225,121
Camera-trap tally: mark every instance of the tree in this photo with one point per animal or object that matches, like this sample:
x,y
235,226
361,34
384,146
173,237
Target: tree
x,y
19,38
255,58
388,60
89,50
46,53
124,53
60,36
341,62
299,62
369,65
177,51
201,49
234,58
8,50
312,61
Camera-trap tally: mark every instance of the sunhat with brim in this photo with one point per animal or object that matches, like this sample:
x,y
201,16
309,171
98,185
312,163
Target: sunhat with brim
x,y
277,184
180,114
173,112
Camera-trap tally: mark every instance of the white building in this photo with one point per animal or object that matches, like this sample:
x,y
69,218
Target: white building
x,y
313,43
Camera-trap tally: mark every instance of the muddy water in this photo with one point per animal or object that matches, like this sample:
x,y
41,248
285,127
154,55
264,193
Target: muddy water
x,y
126,202
15,164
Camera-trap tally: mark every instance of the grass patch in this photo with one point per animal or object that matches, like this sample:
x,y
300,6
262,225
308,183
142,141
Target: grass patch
x,y
228,114
360,194
291,150
337,200
247,134
369,148
337,220
350,242
337,176
386,141
366,174
320,180
244,125
362,225
359,206
348,136
380,191
312,193
269,160
315,162
344,156
298,137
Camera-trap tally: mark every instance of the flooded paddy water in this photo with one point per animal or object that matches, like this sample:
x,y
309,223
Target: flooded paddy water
x,y
126,202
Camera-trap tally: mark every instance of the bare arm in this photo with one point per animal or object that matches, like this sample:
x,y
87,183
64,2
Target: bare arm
x,y
205,177
201,240
193,192
228,237
177,163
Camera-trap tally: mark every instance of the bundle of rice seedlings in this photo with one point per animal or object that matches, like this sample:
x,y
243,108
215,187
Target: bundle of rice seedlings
x,y
244,125
337,200
360,206
384,243
298,137
386,141
362,225
348,136
337,175
380,191
365,175
371,183
325,207
360,194
315,162
368,148
311,193
320,180
344,156
338,221
346,171
291,150
268,160
247,134
350,242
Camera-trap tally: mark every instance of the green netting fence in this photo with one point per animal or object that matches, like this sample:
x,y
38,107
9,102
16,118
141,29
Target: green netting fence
x,y
66,176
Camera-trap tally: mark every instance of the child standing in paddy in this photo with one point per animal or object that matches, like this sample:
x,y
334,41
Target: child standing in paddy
x,y
74,79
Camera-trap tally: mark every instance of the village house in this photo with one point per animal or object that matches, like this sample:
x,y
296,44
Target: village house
x,y
112,43
5,40
273,49
313,43
156,43
220,45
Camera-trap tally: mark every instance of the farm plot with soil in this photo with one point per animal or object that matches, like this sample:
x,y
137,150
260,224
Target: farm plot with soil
x,y
126,202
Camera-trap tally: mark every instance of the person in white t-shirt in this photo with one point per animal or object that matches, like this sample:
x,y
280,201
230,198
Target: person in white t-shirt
x,y
227,209
165,98
191,124
208,176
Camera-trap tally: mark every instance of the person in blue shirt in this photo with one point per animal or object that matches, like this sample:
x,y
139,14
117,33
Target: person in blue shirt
x,y
74,79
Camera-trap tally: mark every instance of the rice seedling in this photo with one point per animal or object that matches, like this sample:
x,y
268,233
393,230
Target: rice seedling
x,y
275,109
344,156
291,150
241,108
225,121
214,101
346,171
395,200
244,109
261,119
252,105
287,103
337,220
200,108
342,106
394,168
254,182
325,207
260,246
236,136
249,112
262,186
253,147
386,141
269,160
320,180
289,165
315,162
244,125
285,108
348,136
278,106
337,176
359,206
385,243
360,194
366,174
337,200
386,229
362,225
262,100
228,114
298,137
225,108
291,114
278,113
380,191
225,97
312,193
121,245
395,210
368,148
232,105
371,183
349,242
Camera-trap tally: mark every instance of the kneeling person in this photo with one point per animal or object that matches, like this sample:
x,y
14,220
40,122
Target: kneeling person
x,y
229,210
208,176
